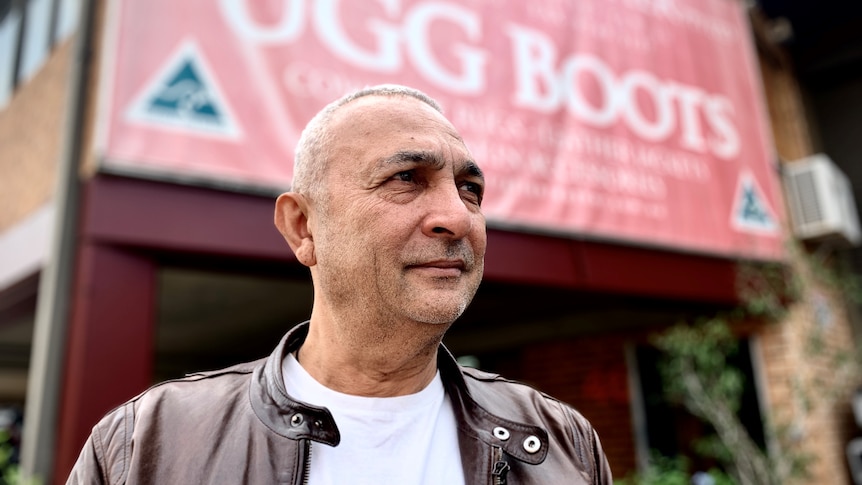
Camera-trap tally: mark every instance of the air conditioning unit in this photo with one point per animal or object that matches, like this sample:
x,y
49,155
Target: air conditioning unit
x,y
820,198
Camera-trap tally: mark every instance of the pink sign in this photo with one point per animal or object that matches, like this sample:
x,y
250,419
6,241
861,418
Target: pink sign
x,y
632,120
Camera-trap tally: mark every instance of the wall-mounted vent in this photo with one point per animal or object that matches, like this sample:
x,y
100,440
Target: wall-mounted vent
x,y
820,197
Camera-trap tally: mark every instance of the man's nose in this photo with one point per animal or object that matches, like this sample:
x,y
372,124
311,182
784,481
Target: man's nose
x,y
448,215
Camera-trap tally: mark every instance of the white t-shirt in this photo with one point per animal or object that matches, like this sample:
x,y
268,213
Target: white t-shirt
x,y
384,440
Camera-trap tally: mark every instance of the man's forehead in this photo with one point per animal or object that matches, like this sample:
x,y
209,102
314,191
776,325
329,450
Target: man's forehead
x,y
384,130
387,108
387,115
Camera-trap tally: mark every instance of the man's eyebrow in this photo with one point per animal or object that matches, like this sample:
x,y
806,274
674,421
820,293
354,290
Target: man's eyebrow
x,y
414,156
472,169
431,160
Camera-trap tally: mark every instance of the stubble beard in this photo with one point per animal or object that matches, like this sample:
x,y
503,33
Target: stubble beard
x,y
390,303
358,292
435,309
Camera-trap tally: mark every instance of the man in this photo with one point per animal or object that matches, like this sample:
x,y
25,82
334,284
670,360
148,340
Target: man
x,y
386,212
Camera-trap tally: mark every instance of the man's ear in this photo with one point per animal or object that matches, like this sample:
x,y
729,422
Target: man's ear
x,y
291,219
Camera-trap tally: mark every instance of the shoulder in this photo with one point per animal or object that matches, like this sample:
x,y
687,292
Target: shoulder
x,y
209,386
177,395
496,392
566,426
165,408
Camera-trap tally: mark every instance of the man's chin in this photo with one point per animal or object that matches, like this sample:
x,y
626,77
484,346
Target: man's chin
x,y
439,314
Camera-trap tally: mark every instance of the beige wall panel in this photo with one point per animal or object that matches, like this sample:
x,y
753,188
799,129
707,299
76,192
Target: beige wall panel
x,y
31,128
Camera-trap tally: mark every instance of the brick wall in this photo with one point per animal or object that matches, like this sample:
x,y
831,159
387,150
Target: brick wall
x,y
589,372
808,386
30,138
805,388
791,133
801,385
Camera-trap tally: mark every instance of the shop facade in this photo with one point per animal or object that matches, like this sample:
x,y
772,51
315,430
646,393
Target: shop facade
x,y
629,188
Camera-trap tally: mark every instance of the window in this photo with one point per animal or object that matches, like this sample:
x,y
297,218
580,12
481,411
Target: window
x,y
10,25
671,430
28,31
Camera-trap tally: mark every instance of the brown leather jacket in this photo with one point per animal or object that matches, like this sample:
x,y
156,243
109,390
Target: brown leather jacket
x,y
240,425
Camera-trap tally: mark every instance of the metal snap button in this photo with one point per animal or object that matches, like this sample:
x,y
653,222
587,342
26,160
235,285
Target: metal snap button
x,y
532,444
296,420
501,433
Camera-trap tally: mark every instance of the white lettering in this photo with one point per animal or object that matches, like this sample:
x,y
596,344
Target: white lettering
x,y
664,122
289,29
589,89
541,86
690,102
535,81
417,25
603,115
726,143
384,57
306,81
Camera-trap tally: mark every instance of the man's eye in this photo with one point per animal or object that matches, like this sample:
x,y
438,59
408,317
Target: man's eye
x,y
406,176
475,189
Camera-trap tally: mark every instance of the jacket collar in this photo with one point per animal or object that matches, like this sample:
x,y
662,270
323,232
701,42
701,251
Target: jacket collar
x,y
484,426
274,406
297,420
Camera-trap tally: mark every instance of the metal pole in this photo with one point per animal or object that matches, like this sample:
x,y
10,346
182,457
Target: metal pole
x,y
44,382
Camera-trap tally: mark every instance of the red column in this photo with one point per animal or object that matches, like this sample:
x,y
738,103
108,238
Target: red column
x,y
110,352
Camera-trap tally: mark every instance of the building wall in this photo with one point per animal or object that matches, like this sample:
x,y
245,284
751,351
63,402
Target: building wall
x,y
31,128
835,98
589,372
790,131
807,382
809,376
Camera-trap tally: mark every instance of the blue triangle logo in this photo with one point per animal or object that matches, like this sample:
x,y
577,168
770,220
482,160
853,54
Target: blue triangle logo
x,y
751,211
184,96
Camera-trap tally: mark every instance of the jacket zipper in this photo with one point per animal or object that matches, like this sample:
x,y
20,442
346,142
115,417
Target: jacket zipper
x,y
501,468
306,462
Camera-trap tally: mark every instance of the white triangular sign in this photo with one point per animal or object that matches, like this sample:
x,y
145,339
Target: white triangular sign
x,y
751,211
184,95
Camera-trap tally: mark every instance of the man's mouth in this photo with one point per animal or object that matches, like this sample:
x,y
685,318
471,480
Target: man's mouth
x,y
442,268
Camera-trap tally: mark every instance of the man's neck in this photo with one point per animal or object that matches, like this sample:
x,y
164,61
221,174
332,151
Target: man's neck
x,y
376,367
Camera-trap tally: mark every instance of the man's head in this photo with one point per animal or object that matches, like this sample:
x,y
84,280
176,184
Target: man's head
x,y
385,210
312,150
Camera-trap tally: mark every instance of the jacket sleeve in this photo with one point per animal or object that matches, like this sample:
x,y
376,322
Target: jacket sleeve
x,y
104,459
87,469
602,468
588,447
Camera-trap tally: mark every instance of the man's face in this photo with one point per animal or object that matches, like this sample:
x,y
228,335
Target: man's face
x,y
400,235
